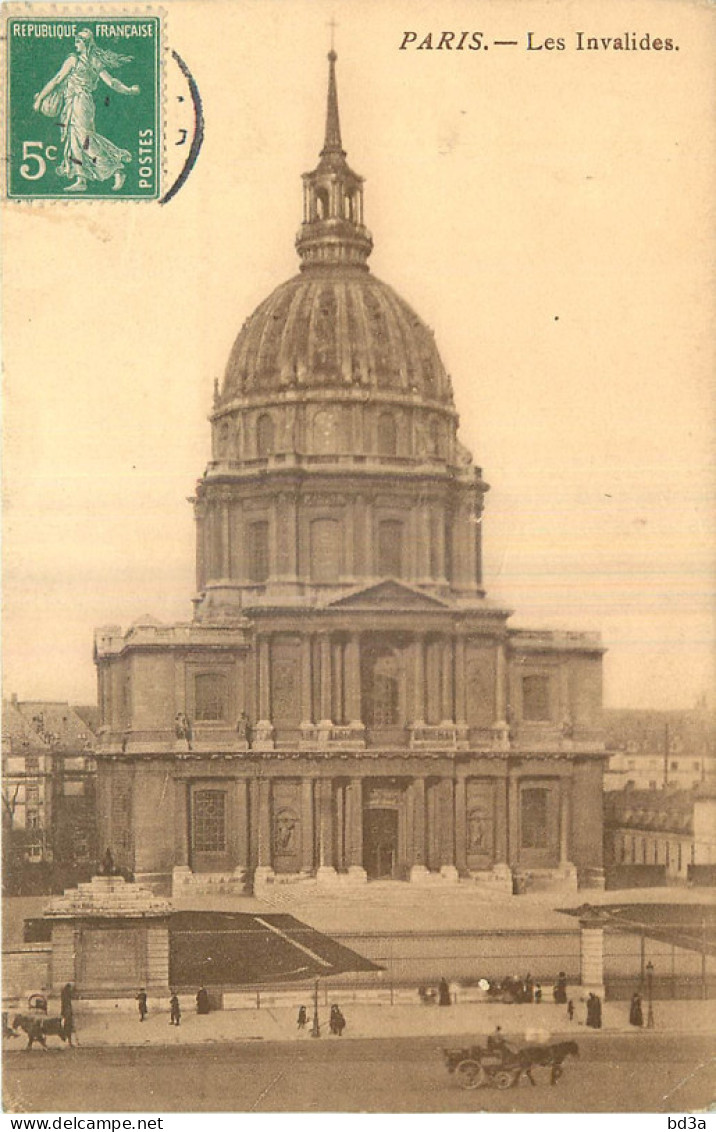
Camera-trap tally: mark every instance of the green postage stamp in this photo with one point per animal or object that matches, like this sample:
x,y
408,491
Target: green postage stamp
x,y
83,107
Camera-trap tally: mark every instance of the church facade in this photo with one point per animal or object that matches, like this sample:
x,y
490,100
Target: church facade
x,y
346,703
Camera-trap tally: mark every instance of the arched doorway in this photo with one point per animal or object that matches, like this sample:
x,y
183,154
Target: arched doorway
x,y
380,843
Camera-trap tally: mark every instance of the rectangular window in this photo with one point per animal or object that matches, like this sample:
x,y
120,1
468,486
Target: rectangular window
x,y
211,697
535,698
534,818
209,825
32,794
390,548
32,764
674,765
258,549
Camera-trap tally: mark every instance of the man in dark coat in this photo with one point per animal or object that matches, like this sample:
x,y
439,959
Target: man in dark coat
x,y
443,993
636,1016
68,1022
142,1004
175,1009
202,1001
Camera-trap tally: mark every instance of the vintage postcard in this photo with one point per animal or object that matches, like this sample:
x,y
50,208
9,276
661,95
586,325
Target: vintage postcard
x,y
358,749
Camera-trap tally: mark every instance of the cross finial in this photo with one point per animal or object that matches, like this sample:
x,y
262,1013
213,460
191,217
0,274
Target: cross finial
x,y
333,25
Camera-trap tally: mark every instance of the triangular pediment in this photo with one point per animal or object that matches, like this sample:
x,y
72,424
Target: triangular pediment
x,y
390,595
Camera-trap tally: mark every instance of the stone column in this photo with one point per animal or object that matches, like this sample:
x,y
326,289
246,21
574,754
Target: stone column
x,y
200,549
181,825
325,706
354,830
326,869
254,807
264,698
352,681
225,541
422,548
460,682
349,547
339,839
591,955
564,820
306,684
307,839
418,680
272,541
239,828
291,520
337,712
264,868
446,682
418,871
447,831
461,825
500,686
513,820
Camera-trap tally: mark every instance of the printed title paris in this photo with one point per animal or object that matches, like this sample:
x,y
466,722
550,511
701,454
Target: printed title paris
x,y
532,41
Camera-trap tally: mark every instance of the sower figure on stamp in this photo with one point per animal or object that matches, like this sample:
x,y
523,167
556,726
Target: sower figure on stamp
x,y
86,155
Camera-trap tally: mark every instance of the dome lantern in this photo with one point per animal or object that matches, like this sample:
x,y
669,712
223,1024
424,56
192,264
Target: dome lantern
x,y
333,231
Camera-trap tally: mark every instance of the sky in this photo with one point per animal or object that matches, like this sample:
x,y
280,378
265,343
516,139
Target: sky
x,y
548,214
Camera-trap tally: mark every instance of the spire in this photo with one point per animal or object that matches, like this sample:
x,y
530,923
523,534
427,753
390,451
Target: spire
x,y
332,232
332,142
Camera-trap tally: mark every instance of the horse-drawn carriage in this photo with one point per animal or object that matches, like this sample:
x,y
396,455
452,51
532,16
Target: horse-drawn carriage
x,y
475,1066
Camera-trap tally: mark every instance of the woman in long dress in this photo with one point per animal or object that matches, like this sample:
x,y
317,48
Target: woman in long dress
x,y
68,96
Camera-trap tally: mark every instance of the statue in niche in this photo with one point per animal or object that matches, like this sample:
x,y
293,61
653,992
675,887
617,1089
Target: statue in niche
x,y
284,832
476,831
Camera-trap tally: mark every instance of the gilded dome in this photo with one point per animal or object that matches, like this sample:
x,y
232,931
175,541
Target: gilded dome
x,y
335,327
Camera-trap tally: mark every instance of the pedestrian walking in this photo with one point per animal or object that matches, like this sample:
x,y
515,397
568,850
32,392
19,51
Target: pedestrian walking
x,y
337,1023
538,994
66,1013
142,1004
175,1010
559,991
570,1010
202,1001
302,1017
443,992
636,1014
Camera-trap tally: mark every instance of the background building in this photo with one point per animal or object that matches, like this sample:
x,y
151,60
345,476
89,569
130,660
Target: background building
x,y
48,788
649,750
346,703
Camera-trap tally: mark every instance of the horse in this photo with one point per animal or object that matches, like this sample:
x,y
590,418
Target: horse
x,y
552,1055
38,1028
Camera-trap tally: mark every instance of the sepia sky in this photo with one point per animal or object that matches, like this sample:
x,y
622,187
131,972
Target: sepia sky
x,y
548,214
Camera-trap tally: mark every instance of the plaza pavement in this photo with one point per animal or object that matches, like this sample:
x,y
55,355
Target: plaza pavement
x,y
120,1027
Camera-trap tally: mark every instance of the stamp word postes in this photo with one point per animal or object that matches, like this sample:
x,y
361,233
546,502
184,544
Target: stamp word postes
x,y
83,107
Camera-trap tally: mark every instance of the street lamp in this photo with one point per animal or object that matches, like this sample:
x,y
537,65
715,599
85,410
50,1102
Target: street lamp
x,y
316,1027
650,995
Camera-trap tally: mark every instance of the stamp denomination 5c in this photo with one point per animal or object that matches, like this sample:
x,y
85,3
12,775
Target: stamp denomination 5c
x,y
83,107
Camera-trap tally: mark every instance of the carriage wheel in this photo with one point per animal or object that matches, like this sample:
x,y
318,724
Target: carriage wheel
x,y
470,1074
506,1078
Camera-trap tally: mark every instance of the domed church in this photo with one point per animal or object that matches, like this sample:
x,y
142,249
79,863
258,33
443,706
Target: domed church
x,y
346,704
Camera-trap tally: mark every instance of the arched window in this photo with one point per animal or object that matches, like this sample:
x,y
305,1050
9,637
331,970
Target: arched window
x,y
264,435
349,206
321,204
258,548
390,548
387,435
325,432
434,437
325,550
211,697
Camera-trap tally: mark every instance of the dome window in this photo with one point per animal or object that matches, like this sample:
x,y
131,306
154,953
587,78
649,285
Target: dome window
x,y
265,435
211,697
390,548
325,550
387,435
325,432
258,549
